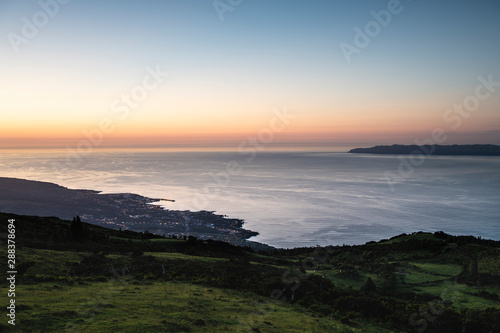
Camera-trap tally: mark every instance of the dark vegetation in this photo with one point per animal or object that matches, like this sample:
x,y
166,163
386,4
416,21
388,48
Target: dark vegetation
x,y
414,283
473,150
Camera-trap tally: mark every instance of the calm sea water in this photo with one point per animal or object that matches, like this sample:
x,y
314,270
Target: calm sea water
x,y
292,198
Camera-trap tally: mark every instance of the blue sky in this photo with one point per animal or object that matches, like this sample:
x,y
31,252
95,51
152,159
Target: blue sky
x,y
225,77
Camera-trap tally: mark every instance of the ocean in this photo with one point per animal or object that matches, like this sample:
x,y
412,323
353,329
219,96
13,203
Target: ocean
x,y
292,198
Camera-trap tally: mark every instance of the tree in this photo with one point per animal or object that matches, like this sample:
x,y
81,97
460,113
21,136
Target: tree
x,y
77,230
369,286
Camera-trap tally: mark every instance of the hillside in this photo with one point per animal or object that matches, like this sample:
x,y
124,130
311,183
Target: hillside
x,y
78,277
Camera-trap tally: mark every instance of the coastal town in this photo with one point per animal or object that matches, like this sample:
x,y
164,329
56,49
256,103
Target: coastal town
x,y
118,211
138,213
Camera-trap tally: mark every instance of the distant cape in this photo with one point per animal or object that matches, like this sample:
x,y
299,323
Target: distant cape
x,y
474,150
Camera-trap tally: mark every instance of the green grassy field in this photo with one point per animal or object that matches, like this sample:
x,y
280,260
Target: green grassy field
x,y
108,281
121,306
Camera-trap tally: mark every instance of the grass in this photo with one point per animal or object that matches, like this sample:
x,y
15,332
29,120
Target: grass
x,y
345,279
448,270
181,256
49,262
214,287
491,264
161,307
459,294
413,274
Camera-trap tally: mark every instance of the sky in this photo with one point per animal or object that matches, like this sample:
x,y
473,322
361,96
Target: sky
x,y
200,72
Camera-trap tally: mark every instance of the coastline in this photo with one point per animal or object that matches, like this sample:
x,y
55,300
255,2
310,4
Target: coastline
x,y
295,199
126,210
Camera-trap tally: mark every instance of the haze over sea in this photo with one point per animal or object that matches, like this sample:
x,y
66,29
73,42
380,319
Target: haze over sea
x,y
291,197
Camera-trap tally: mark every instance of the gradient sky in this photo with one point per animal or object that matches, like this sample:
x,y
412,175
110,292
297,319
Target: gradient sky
x,y
226,77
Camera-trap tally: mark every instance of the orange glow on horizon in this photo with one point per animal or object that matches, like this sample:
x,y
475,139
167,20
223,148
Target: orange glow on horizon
x,y
377,125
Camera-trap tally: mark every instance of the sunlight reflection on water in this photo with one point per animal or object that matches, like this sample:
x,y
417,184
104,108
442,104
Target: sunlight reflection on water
x,y
292,198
